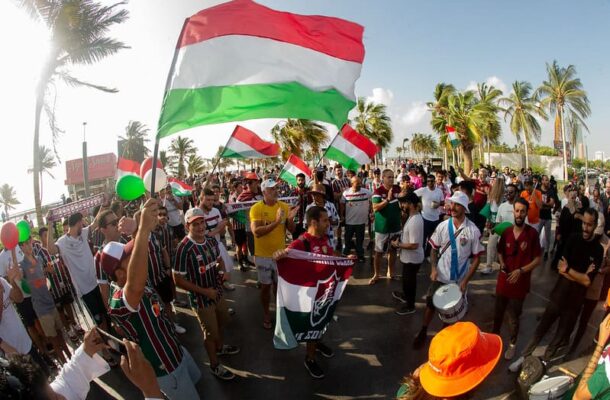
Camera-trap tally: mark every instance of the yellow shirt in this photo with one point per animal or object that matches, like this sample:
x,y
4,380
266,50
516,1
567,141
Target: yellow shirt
x,y
265,246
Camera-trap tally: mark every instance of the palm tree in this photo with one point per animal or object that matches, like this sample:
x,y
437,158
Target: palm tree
x,y
163,157
300,137
8,198
221,162
423,145
47,162
78,32
491,130
523,109
399,150
563,94
439,109
373,122
181,149
136,134
195,165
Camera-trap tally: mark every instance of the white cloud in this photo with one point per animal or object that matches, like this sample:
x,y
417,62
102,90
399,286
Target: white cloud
x,y
416,112
490,81
381,95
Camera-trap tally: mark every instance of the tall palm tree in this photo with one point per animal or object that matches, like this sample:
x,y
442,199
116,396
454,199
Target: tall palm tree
x,y
8,198
164,158
47,162
399,150
562,94
180,149
523,109
221,162
195,165
373,122
300,137
491,130
439,109
136,135
78,31
423,145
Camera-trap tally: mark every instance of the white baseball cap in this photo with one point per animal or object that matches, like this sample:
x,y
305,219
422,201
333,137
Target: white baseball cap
x,y
268,184
461,199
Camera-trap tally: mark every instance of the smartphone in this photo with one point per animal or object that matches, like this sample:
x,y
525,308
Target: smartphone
x,y
115,343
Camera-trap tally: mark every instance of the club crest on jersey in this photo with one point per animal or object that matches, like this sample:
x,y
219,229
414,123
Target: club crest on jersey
x,y
325,294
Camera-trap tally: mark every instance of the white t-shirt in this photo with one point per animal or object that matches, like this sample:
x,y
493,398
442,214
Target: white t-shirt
x,y
333,215
212,219
12,330
174,217
413,232
427,197
79,260
505,213
6,260
468,244
357,206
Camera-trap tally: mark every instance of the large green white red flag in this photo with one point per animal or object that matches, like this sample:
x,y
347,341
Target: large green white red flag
x,y
351,149
244,143
240,61
308,291
292,168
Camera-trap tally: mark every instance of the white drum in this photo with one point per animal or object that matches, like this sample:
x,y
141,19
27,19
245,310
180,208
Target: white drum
x,y
450,303
550,388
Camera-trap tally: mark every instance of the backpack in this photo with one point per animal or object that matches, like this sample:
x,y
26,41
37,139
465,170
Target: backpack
x,y
532,370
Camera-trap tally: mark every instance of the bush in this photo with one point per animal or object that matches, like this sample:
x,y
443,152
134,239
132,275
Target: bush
x,y
544,151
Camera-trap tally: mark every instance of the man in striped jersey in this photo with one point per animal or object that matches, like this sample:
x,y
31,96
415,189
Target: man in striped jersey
x,y
199,269
239,228
138,310
339,185
354,211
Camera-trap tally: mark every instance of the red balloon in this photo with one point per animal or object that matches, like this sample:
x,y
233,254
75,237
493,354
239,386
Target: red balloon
x,y
147,165
9,235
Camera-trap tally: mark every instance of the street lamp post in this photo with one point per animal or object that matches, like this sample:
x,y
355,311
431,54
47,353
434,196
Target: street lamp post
x,y
85,161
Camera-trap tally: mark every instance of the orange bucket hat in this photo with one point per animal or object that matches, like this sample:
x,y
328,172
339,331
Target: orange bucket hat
x,y
460,358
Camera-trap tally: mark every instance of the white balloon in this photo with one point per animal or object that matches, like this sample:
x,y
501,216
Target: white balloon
x,y
160,180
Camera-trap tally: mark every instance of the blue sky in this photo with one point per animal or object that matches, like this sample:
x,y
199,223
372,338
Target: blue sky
x,y
410,46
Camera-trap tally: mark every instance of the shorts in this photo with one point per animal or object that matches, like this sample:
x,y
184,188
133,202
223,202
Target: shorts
x,y
94,303
178,231
50,323
26,312
64,300
250,241
240,237
434,286
382,241
165,290
213,318
226,258
267,270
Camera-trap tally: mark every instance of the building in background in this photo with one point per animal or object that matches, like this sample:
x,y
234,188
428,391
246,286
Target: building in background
x,y
102,173
600,156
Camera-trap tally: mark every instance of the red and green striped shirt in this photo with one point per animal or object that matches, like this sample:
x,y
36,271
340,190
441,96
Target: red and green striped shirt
x,y
149,327
156,270
197,263
60,283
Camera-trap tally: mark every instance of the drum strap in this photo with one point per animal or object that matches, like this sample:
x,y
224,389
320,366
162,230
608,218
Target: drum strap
x,y
456,271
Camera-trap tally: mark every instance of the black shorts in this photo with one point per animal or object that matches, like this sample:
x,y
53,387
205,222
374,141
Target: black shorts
x,y
178,231
64,300
165,290
430,294
95,304
250,237
240,237
26,312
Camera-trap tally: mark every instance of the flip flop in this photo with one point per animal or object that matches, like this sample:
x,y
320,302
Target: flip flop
x,y
373,280
267,325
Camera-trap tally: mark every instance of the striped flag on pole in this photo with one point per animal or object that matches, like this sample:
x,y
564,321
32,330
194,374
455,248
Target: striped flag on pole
x,y
351,149
244,143
127,167
453,137
293,167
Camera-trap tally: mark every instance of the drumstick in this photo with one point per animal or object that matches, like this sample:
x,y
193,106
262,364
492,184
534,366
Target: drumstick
x,y
567,372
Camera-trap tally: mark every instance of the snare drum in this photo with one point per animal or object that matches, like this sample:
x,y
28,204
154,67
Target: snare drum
x,y
450,303
551,388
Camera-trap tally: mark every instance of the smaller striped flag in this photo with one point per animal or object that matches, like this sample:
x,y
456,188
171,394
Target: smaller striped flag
x,y
453,137
246,144
351,149
127,167
293,167
180,188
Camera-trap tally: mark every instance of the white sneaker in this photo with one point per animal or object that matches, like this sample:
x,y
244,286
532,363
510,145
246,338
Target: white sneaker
x,y
486,271
228,286
510,352
179,329
514,367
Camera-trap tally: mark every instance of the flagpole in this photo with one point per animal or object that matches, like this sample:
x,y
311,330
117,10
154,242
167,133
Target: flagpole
x,y
167,86
223,150
326,151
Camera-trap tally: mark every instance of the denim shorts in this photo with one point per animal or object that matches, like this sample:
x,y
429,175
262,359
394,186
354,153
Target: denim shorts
x,y
180,384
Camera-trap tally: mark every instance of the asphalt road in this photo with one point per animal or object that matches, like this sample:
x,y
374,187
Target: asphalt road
x,y
372,345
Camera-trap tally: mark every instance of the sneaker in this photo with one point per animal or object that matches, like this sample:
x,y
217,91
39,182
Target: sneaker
x,y
324,350
405,310
486,271
399,296
228,350
514,367
510,352
179,329
314,369
228,286
420,339
221,372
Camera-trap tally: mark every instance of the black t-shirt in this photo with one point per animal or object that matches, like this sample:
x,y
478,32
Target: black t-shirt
x,y
579,253
546,212
475,217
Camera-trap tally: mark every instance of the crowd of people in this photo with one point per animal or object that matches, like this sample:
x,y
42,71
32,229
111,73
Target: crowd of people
x,y
125,260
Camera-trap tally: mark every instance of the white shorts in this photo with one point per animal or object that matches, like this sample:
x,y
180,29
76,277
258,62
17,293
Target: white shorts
x,y
267,270
382,241
224,254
